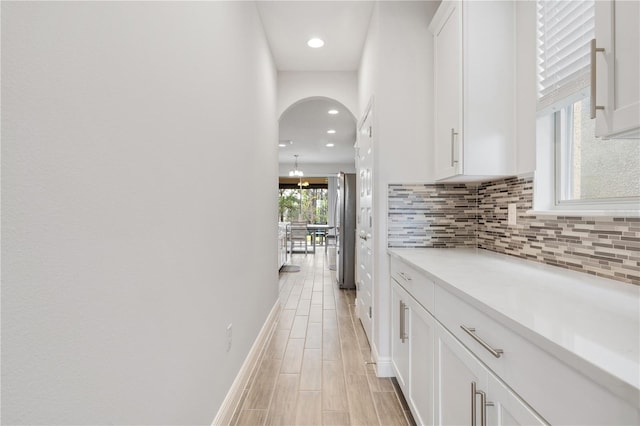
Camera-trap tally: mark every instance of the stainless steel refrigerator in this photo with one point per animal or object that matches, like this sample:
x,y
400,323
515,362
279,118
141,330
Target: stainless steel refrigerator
x,y
345,221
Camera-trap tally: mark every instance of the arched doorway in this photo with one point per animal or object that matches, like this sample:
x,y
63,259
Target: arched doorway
x,y
321,132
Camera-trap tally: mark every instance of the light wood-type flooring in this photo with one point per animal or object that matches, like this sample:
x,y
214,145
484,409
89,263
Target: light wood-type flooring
x,y
316,368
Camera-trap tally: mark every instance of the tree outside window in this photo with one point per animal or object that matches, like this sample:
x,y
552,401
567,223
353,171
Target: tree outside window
x,y
307,204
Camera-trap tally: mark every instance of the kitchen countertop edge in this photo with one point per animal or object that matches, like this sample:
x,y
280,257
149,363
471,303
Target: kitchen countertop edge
x,y
624,387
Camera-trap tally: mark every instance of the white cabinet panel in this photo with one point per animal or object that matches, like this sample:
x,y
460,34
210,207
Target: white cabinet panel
x,y
618,67
448,92
400,326
414,282
412,345
513,366
459,375
474,81
456,371
507,408
421,343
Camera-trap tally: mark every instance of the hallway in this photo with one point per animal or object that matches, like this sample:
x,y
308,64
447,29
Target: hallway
x,y
314,370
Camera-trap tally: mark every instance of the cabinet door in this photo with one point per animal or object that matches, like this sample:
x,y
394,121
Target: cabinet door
x,y
400,329
422,354
456,373
459,374
508,409
448,91
618,66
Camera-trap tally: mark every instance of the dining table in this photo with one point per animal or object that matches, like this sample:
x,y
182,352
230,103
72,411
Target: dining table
x,y
313,229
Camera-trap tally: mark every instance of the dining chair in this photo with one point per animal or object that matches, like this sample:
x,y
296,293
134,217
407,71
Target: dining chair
x,y
299,234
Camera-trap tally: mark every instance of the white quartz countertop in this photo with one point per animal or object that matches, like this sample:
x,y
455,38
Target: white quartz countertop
x,y
591,323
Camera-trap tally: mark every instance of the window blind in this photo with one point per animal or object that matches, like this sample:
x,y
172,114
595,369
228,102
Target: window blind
x,y
565,29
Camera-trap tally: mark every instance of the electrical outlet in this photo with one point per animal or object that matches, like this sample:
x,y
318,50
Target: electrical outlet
x,y
229,336
511,214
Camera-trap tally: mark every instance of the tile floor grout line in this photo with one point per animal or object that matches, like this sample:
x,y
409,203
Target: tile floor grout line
x,y
342,353
316,276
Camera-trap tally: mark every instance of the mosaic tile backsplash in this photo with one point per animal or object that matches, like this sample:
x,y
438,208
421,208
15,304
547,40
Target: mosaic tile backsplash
x,y
458,215
432,215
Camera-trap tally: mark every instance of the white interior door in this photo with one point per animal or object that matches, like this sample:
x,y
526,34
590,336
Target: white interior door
x,y
364,224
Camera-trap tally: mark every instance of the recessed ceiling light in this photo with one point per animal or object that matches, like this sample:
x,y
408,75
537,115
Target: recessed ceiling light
x,y
331,131
330,145
282,145
315,43
333,111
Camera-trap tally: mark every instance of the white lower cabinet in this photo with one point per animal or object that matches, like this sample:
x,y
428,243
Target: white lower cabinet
x,y
421,356
508,409
459,364
469,394
412,353
456,371
399,331
437,373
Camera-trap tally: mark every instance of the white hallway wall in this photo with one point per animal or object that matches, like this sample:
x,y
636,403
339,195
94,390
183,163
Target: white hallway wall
x,y
295,86
397,71
122,261
319,169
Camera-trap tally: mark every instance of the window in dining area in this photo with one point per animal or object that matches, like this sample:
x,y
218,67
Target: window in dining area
x,y
305,200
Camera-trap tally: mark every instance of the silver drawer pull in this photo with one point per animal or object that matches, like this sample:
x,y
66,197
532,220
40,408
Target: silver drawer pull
x,y
405,276
472,332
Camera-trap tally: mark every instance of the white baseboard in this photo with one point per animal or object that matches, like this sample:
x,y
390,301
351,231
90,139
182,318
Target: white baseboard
x,y
384,367
234,396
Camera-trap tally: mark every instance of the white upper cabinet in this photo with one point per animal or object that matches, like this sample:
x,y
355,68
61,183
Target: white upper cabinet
x,y
474,63
448,88
617,68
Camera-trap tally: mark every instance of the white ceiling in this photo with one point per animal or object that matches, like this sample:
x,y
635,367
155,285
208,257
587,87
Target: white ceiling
x,y
343,26
306,125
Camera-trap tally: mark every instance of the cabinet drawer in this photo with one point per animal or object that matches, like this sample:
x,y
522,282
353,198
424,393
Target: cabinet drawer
x,y
454,314
548,384
414,282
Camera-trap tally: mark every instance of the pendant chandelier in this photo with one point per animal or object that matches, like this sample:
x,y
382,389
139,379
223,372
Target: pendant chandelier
x,y
296,172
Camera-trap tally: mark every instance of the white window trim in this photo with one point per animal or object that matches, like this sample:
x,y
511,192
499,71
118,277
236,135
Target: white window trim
x,y
546,182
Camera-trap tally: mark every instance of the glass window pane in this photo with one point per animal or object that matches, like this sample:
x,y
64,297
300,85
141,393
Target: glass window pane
x,y
305,204
593,168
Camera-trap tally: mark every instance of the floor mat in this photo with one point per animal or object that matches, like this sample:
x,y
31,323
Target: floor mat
x,y
290,268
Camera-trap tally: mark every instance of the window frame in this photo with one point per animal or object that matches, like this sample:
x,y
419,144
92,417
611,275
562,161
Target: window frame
x,y
548,183
549,141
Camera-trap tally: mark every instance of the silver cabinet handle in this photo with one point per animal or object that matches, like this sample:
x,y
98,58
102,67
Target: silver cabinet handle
x,y
405,335
594,49
402,321
405,276
483,405
472,332
473,403
453,136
